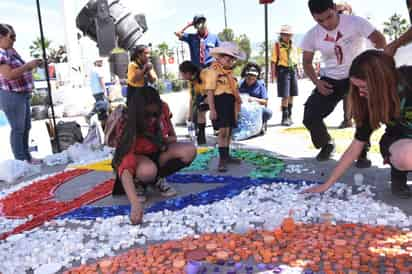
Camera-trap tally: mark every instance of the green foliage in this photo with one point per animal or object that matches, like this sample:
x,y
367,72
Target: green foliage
x,y
36,47
395,26
226,35
54,55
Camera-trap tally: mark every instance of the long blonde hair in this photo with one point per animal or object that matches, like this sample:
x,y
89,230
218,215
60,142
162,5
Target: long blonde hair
x,y
382,103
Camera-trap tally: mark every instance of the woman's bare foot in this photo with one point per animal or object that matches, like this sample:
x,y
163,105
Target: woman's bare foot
x,y
136,213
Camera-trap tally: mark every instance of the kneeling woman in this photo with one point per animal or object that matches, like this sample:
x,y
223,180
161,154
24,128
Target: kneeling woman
x,y
148,151
380,94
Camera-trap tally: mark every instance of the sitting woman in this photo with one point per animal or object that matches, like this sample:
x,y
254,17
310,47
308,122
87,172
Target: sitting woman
x,y
198,98
252,85
148,151
380,94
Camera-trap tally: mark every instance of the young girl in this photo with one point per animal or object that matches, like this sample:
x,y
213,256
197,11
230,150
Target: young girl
x,y
140,71
223,97
198,98
148,150
380,94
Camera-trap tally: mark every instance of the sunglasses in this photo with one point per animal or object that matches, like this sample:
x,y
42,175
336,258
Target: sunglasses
x,y
153,114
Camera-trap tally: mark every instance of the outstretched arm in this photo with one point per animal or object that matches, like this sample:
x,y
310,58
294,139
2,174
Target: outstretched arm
x,y
348,157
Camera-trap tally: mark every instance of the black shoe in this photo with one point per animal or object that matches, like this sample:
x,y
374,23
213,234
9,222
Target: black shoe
x,y
285,122
363,163
399,188
290,120
326,152
264,128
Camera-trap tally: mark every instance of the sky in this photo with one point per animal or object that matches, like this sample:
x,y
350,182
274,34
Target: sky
x,y
164,17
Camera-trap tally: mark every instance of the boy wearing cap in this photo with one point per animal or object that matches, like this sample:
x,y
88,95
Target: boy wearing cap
x,y
339,38
223,97
200,43
284,68
252,85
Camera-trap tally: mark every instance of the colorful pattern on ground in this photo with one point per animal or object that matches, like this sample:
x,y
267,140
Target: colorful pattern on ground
x,y
232,186
342,137
36,201
345,248
267,166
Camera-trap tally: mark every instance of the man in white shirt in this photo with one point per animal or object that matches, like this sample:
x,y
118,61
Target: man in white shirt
x,y
339,38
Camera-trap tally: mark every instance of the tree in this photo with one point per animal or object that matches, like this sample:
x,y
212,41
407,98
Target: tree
x,y
163,50
395,26
244,44
36,47
226,35
58,55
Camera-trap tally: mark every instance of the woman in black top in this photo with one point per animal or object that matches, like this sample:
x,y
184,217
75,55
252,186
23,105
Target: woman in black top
x,y
380,94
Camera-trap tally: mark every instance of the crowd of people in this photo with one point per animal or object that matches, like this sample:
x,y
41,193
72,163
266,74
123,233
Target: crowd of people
x,y
148,150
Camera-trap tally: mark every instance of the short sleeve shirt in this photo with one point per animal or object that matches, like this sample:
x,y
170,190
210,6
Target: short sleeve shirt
x,y
194,40
95,75
24,83
132,69
219,83
199,88
340,46
257,90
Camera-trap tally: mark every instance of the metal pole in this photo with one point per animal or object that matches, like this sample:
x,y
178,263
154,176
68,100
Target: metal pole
x,y
224,10
47,75
266,47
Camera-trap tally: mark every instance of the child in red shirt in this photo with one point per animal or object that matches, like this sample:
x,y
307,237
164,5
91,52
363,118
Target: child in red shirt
x,y
148,150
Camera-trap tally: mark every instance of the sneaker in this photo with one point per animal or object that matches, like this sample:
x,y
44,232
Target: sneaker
x,y
363,163
140,191
164,188
222,166
326,152
285,122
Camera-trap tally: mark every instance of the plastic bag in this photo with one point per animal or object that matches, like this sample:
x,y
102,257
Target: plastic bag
x,y
61,158
250,121
11,170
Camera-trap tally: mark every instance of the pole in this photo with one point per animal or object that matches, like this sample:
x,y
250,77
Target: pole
x,y
266,47
225,14
47,75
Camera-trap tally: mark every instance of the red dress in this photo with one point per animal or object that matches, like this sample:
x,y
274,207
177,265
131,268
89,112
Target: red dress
x,y
144,146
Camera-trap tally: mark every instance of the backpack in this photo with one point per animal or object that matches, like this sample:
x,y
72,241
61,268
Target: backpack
x,y
115,125
68,134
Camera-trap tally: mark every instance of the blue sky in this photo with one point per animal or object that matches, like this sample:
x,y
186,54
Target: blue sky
x,y
166,16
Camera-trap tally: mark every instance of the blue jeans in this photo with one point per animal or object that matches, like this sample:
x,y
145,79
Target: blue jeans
x,y
267,114
16,106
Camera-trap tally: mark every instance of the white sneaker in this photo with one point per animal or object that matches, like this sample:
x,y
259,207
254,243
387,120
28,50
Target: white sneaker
x,y
164,188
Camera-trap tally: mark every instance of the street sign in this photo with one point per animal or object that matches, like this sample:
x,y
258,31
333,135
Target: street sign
x,y
266,1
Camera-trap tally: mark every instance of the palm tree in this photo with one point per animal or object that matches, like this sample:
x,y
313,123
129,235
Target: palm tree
x,y
163,50
395,26
36,47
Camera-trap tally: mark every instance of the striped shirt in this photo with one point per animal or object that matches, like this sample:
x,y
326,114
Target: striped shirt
x,y
23,83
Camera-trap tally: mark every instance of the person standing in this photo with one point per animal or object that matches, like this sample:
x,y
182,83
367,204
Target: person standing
x,y
252,85
16,86
339,38
140,72
224,99
200,43
198,98
97,83
284,69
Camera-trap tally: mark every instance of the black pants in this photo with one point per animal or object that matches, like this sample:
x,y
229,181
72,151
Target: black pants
x,y
319,106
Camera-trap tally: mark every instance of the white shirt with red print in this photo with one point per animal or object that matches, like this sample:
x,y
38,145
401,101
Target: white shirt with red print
x,y
340,46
